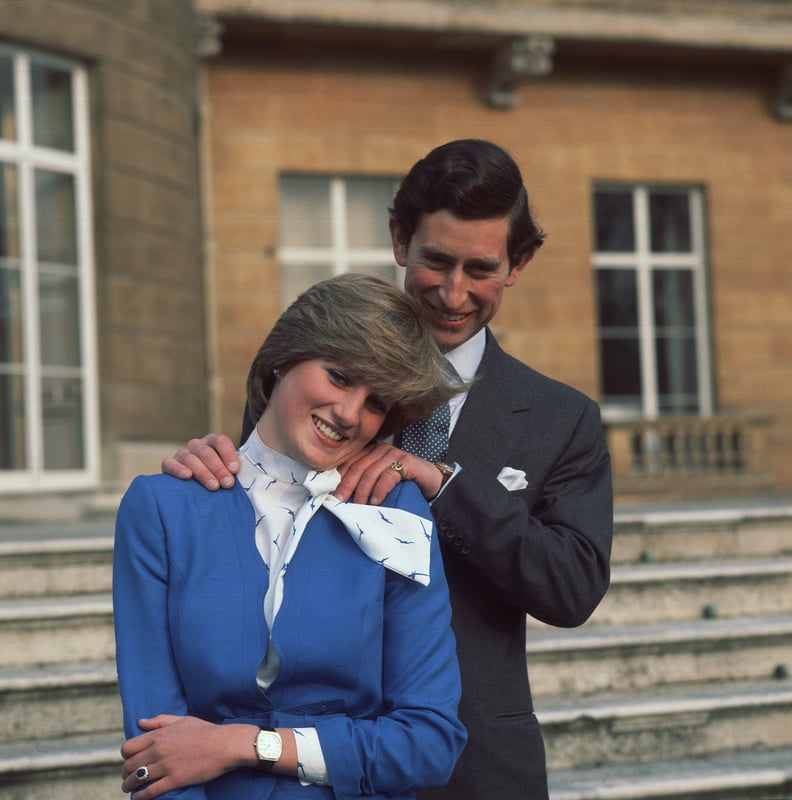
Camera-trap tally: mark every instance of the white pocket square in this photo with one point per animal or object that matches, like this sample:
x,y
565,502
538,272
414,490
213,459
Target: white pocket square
x,y
512,479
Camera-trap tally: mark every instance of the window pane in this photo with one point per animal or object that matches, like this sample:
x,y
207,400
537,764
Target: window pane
x,y
305,211
388,271
670,222
9,215
61,402
673,298
621,369
13,453
56,222
59,315
296,278
617,298
7,119
11,351
368,200
613,214
53,125
677,374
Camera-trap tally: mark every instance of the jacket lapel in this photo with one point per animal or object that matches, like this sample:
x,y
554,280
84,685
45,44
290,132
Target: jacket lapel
x,y
496,411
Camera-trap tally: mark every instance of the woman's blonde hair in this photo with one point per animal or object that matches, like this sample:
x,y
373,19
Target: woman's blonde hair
x,y
370,328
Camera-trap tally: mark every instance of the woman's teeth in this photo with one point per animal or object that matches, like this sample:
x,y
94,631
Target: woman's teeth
x,y
327,430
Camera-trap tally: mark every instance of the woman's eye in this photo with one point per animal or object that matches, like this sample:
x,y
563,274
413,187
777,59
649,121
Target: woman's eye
x,y
338,377
378,405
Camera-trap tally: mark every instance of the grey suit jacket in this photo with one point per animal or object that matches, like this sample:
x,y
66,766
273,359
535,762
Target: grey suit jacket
x,y
543,550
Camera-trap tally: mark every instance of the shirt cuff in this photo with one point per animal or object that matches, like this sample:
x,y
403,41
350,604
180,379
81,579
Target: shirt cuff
x,y
311,767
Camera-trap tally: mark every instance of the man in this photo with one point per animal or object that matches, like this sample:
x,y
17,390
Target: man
x,y
525,520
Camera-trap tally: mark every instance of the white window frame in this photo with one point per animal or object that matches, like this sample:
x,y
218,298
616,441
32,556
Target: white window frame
x,y
26,157
339,256
644,262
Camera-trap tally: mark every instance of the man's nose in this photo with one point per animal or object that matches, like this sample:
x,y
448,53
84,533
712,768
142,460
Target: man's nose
x,y
453,290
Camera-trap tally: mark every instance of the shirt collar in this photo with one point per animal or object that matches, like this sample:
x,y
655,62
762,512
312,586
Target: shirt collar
x,y
467,356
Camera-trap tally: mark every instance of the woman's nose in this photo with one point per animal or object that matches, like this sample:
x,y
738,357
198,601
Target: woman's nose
x,y
350,406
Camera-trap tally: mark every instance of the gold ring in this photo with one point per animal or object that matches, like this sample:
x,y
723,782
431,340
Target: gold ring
x,y
399,467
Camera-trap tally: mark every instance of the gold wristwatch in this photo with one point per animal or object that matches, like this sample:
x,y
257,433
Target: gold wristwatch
x,y
446,472
268,748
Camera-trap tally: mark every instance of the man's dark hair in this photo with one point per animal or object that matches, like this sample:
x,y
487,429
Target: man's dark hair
x,y
472,179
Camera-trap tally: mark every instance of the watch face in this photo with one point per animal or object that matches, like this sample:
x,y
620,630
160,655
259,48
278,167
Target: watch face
x,y
268,746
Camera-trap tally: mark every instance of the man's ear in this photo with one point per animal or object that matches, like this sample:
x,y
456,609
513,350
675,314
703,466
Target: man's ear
x,y
400,241
516,271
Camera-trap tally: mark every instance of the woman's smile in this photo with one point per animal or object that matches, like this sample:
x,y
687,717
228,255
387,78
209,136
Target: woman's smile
x,y
320,417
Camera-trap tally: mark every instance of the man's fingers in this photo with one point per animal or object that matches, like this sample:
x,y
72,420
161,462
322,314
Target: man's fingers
x,y
212,461
172,466
219,443
384,482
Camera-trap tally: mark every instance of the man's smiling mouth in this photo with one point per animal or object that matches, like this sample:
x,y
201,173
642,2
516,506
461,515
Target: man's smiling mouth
x,y
449,317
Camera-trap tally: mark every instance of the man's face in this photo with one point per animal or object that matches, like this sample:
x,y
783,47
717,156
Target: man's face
x,y
457,270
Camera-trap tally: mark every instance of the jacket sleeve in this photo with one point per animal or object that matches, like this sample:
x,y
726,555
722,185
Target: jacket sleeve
x,y
416,743
147,675
545,549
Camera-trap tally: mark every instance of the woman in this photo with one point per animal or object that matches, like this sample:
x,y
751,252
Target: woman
x,y
271,641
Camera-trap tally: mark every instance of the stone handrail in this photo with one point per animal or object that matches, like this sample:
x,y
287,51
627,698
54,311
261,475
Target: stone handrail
x,y
719,446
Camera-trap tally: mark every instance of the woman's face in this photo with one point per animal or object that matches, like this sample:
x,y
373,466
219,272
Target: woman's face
x,y
319,417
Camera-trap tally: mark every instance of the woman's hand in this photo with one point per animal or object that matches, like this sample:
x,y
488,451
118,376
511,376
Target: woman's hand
x,y
368,476
212,461
182,751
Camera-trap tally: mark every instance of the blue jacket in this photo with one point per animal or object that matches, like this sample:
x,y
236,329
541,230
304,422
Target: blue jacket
x,y
367,656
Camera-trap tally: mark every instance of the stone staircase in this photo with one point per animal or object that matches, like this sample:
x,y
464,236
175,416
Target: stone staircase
x,y
678,688
60,729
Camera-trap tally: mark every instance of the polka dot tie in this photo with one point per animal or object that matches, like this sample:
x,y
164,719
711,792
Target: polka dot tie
x,y
428,437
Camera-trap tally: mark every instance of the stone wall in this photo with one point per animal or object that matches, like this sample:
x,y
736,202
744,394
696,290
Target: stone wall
x,y
276,106
144,127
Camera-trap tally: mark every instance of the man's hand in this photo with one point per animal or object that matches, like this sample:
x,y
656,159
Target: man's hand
x,y
368,477
212,461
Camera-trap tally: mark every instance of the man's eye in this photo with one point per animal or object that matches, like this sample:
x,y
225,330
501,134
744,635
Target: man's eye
x,y
481,270
436,261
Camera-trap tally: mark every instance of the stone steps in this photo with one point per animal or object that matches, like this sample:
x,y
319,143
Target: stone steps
x,y
80,698
675,591
676,689
746,775
675,723
56,629
735,531
635,658
33,568
63,767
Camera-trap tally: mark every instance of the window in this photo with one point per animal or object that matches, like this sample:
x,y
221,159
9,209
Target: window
x,y
332,225
47,382
651,300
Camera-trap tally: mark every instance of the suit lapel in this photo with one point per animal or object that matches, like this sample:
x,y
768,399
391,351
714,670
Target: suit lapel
x,y
496,411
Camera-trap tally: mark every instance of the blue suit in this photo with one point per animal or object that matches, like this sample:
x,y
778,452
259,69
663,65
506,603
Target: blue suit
x,y
367,656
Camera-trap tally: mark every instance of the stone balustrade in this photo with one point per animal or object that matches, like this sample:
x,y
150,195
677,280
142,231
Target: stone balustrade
x,y
675,453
